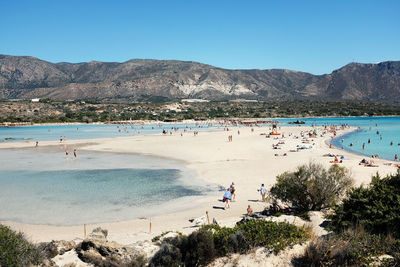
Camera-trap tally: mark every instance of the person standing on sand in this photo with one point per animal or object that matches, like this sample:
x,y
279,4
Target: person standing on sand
x,y
262,191
227,198
75,154
233,190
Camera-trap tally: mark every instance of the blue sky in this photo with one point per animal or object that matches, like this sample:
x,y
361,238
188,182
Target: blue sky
x,y
312,36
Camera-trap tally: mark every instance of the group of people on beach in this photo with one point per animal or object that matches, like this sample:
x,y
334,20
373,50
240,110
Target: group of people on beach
x,y
67,153
63,139
229,195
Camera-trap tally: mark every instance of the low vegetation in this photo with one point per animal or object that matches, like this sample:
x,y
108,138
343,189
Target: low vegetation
x,y
15,250
376,207
202,246
353,247
102,111
366,226
311,187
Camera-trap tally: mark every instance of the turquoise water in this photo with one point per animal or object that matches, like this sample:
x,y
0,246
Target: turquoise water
x,y
43,187
388,127
46,188
87,131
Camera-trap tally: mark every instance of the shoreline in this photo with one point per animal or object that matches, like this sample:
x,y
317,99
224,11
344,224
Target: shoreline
x,y
216,120
215,161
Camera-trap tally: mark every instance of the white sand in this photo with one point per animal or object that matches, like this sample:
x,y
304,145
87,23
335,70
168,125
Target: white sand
x,y
248,161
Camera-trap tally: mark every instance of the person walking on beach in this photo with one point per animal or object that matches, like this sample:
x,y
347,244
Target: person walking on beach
x,y
233,190
227,198
75,154
263,191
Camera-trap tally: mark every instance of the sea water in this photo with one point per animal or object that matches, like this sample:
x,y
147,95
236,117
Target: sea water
x,y
388,127
47,188
88,131
381,131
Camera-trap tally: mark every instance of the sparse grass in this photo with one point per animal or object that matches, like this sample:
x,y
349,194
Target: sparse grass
x,y
303,215
354,247
15,250
158,237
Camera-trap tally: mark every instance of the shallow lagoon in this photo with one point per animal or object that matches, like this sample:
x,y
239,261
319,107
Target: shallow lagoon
x,y
87,131
46,188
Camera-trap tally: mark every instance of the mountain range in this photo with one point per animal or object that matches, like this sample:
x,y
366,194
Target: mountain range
x,y
24,77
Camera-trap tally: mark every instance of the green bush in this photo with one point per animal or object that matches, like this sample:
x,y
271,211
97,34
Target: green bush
x,y
15,250
193,250
312,187
353,247
167,255
203,245
199,248
376,208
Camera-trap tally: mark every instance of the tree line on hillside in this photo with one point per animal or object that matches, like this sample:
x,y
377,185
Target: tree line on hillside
x,y
89,111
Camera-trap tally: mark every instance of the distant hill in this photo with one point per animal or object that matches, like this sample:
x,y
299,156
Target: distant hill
x,y
138,79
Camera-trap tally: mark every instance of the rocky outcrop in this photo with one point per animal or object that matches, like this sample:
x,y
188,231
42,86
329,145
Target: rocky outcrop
x,y
138,79
96,250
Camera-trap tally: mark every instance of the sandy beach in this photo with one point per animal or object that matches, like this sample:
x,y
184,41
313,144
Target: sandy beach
x,y
248,161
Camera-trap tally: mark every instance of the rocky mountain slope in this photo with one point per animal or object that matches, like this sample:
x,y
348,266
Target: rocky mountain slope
x,y
28,77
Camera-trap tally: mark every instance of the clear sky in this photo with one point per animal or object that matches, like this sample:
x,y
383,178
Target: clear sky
x,y
312,36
